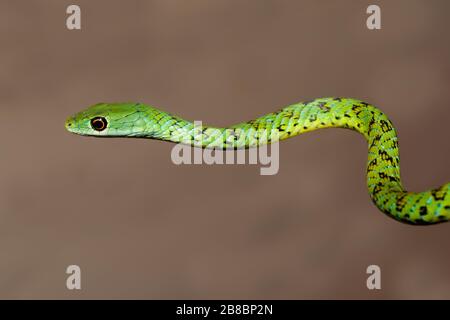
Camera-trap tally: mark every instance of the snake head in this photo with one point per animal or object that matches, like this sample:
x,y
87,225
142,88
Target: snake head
x,y
110,119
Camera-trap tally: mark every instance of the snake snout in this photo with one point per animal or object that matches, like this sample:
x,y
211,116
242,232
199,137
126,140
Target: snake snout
x,y
69,124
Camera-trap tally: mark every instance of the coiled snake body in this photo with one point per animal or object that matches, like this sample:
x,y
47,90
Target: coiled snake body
x,y
383,170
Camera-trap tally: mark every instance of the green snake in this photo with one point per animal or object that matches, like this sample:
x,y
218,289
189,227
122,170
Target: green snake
x,y
383,170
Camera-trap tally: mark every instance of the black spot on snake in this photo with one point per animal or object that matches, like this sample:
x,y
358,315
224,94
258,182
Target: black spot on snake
x,y
423,211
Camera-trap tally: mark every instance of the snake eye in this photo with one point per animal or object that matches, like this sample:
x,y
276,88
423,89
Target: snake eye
x,y
99,123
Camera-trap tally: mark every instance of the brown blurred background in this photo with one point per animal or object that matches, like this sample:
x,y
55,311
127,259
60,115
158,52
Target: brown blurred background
x,y
141,227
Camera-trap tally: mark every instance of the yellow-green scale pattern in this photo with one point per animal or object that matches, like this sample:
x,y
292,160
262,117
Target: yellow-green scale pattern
x,y
383,166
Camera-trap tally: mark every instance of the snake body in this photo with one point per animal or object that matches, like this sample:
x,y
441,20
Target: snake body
x,y
383,170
